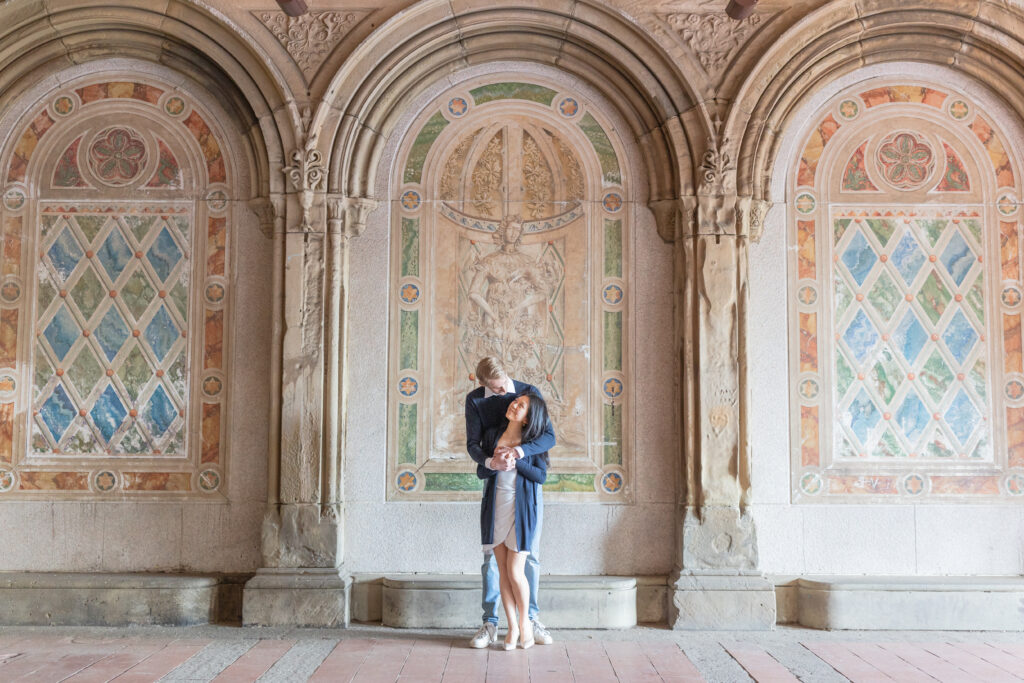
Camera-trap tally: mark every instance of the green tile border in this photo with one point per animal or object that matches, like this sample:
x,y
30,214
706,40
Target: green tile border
x,y
407,426
452,481
418,152
612,340
570,483
513,91
408,332
603,147
410,247
612,434
613,247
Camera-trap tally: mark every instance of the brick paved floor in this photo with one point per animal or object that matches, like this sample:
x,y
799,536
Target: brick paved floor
x,y
369,653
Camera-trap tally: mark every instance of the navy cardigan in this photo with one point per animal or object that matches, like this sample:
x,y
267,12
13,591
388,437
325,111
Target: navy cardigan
x,y
532,471
482,413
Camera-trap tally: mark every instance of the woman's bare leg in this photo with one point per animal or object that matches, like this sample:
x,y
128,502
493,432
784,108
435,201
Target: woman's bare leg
x,y
521,589
508,598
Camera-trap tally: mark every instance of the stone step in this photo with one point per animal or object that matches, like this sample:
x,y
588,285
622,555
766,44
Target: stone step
x,y
954,603
453,601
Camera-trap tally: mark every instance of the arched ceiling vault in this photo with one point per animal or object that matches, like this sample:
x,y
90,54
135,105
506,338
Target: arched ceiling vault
x,y
433,39
184,36
983,39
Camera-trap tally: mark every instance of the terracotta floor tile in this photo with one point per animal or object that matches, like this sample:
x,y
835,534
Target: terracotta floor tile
x,y
971,664
162,662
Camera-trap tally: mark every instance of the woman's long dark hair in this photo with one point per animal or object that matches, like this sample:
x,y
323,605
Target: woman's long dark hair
x,y
536,420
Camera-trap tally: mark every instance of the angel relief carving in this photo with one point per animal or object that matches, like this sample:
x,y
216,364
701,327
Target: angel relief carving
x,y
509,290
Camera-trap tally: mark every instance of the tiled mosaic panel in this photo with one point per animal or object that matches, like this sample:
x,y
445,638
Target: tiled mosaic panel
x,y
412,472
910,362
896,397
110,294
112,311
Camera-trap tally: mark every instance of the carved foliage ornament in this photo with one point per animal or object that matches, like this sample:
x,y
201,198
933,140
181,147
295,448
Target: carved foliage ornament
x,y
308,176
714,38
310,38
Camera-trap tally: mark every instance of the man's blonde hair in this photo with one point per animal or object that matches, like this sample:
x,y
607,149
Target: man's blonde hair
x,y
489,368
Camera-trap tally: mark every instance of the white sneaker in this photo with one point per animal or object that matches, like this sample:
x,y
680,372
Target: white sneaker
x,y
486,636
540,634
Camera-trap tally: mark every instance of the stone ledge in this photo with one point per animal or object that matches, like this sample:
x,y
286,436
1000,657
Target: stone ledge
x,y
315,597
453,601
42,599
948,603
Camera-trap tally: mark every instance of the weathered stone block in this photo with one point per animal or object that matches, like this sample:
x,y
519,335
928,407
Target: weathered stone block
x,y
973,603
722,602
79,599
453,601
297,597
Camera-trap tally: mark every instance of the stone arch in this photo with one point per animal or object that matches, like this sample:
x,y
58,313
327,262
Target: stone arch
x,y
494,152
121,198
905,284
190,38
980,42
587,40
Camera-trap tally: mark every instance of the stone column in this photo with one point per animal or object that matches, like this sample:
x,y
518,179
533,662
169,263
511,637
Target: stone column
x,y
718,585
303,581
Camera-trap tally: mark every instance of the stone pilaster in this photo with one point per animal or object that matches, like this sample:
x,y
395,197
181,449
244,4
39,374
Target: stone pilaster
x,y
303,582
718,585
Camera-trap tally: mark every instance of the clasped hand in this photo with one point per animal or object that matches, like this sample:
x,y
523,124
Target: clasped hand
x,y
504,459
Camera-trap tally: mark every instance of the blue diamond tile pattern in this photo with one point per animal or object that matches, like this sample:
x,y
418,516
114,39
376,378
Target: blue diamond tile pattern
x,y
65,254
962,417
160,411
863,415
960,337
114,254
164,255
111,333
958,258
908,258
912,417
108,413
161,333
859,258
62,332
861,336
909,337
57,412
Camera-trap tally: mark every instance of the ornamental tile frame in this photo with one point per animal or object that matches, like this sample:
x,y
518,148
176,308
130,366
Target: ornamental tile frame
x,y
510,236
115,296
905,297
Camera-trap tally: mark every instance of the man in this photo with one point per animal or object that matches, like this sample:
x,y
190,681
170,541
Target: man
x,y
485,408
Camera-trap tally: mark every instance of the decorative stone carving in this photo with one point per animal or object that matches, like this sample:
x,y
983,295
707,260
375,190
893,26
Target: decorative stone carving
x,y
752,213
716,201
714,38
307,176
347,215
311,37
267,212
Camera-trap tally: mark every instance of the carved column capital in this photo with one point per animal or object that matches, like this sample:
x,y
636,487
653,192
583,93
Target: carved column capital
x,y
751,217
307,176
268,211
347,215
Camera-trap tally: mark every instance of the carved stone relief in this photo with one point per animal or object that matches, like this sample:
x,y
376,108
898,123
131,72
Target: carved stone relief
x,y
311,38
504,246
715,39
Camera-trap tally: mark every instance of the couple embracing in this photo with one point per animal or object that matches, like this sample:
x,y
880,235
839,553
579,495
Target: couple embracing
x,y
508,435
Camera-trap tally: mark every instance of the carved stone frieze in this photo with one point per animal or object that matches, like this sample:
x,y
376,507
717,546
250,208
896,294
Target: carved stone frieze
x,y
267,212
311,37
719,538
752,213
714,38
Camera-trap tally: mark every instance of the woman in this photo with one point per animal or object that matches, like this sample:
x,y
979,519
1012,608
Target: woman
x,y
508,515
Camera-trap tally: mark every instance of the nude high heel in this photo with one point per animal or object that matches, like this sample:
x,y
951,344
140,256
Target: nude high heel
x,y
512,645
526,643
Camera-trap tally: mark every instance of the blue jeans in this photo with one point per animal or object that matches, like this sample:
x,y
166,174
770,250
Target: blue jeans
x,y
492,585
